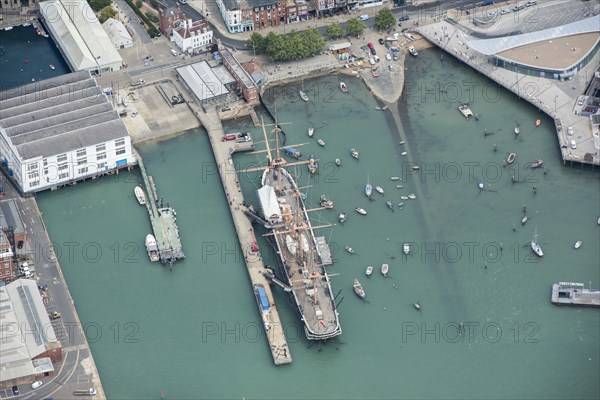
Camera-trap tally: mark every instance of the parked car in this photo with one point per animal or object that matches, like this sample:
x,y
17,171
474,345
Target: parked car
x,y
388,57
54,315
573,144
381,41
505,11
531,3
15,390
404,18
580,101
36,384
20,243
134,114
228,137
570,131
371,61
377,59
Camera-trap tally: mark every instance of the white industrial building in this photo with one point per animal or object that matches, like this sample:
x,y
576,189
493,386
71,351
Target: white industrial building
x,y
29,343
61,130
117,33
79,36
192,37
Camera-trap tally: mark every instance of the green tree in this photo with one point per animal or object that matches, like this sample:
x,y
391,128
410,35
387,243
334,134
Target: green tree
x,y
98,5
334,31
106,13
139,3
355,27
257,42
384,19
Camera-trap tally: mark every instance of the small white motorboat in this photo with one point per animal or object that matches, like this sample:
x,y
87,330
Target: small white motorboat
x,y
311,132
537,164
524,220
389,205
578,244
342,217
517,130
379,189
511,158
403,153
406,248
354,153
358,289
338,162
394,178
369,271
303,96
403,197
343,87
368,188
402,142
361,211
400,205
412,196
399,186
415,167
140,195
325,202
321,142
52,67
349,249
152,248
384,269
417,306
480,184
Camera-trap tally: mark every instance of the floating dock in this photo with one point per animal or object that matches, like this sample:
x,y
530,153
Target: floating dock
x,y
163,219
574,294
255,266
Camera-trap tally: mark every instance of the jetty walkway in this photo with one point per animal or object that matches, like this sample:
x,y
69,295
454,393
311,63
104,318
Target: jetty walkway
x,y
555,98
223,152
163,219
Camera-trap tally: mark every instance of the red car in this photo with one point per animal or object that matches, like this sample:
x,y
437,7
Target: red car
x,y
228,137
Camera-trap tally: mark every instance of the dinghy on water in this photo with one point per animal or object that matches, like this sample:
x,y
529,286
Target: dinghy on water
x,y
369,271
384,269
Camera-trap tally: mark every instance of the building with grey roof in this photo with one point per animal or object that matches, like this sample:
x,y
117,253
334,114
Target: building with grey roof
x,y
237,15
29,343
118,34
80,37
200,79
59,131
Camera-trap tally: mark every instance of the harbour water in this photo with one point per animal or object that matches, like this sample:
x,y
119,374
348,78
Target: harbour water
x,y
195,332
26,57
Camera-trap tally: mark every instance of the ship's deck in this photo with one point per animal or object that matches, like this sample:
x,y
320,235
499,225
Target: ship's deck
x,y
305,273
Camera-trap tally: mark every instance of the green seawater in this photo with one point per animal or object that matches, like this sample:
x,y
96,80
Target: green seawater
x,y
195,331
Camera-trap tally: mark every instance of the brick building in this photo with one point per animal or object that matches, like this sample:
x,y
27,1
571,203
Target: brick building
x,y
169,19
244,80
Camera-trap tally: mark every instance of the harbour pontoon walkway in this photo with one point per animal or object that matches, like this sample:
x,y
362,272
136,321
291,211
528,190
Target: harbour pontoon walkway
x,y
163,219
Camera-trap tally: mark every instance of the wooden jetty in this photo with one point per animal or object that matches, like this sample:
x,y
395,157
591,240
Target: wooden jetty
x,y
163,219
255,266
574,294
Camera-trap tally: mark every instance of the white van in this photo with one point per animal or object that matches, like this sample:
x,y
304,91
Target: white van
x,y
363,17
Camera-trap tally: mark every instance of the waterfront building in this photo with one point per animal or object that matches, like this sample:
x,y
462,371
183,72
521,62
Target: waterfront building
x,y
29,343
237,15
80,37
117,33
204,84
59,131
168,19
242,77
535,53
267,13
192,37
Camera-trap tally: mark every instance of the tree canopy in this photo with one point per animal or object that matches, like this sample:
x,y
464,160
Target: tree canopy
x,y
106,13
355,27
98,5
292,46
384,19
335,31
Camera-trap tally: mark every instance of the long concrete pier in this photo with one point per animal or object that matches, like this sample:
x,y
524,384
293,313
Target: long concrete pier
x,y
163,219
223,152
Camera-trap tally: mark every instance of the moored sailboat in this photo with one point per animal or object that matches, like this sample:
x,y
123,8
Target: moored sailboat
x,y
358,289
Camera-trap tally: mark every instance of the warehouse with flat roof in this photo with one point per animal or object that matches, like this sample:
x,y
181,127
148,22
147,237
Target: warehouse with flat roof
x,y
80,37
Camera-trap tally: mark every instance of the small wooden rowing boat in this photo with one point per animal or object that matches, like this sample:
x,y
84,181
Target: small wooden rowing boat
x,y
511,158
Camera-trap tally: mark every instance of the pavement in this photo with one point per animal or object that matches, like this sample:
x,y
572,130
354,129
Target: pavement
x,y
77,369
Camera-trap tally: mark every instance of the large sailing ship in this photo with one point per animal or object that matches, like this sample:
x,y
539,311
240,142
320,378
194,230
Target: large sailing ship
x,y
299,255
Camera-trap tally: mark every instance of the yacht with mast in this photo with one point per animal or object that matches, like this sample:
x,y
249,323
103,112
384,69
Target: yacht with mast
x,y
299,255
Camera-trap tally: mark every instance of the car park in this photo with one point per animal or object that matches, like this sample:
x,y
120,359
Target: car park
x,y
228,137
